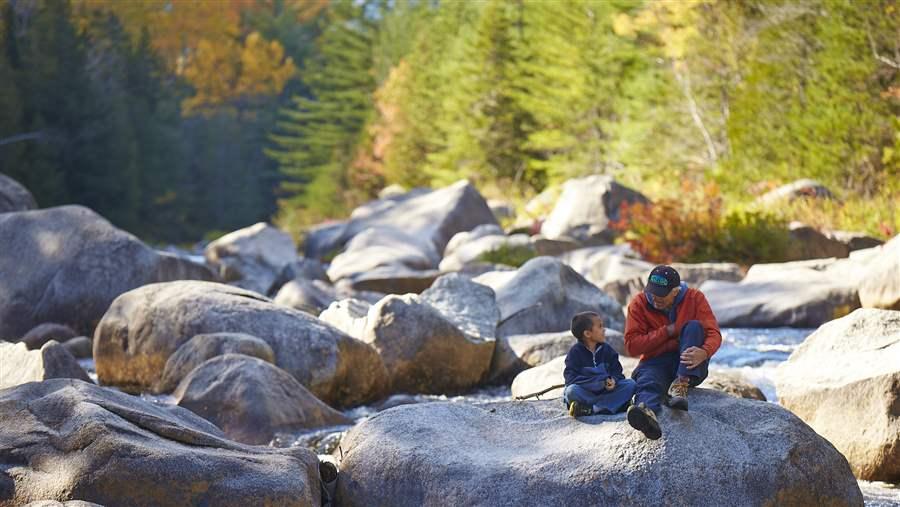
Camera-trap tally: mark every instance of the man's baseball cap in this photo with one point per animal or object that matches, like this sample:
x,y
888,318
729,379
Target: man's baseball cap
x,y
662,280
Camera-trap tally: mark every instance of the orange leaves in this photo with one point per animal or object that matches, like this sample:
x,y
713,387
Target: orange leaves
x,y
225,71
204,41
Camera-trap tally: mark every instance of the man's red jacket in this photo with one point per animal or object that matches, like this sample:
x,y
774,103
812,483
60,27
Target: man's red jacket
x,y
645,327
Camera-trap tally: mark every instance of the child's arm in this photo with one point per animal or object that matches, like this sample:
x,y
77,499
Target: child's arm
x,y
613,366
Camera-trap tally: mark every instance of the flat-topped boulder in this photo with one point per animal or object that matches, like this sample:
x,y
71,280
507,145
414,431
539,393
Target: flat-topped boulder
x,y
880,284
795,294
252,257
251,400
66,265
147,325
543,295
14,196
586,208
65,439
433,215
844,381
203,347
18,365
533,453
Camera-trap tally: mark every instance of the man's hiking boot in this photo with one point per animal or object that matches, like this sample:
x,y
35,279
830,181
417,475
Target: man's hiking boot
x,y
678,393
578,410
644,420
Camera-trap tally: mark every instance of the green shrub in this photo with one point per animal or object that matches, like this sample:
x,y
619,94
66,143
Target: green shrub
x,y
508,255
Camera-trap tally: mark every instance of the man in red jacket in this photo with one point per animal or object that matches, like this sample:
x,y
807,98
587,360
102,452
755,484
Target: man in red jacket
x,y
673,330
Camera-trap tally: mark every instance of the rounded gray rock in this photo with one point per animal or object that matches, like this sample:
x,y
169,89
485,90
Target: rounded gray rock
x,y
206,346
251,400
14,196
43,333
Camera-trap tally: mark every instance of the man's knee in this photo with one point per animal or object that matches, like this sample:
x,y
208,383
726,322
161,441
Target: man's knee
x,y
692,326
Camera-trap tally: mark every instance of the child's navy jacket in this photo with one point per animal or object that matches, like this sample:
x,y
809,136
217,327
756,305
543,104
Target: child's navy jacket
x,y
591,370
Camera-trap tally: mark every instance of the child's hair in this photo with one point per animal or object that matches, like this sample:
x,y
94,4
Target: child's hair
x,y
582,322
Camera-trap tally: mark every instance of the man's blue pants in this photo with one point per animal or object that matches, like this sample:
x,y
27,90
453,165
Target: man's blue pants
x,y
653,376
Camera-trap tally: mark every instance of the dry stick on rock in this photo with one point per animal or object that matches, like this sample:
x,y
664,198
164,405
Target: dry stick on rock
x,y
539,393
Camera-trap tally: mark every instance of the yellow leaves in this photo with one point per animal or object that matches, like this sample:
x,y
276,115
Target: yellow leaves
x,y
225,71
674,22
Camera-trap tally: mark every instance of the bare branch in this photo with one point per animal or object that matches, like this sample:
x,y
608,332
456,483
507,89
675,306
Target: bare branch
x,y
883,59
684,80
539,393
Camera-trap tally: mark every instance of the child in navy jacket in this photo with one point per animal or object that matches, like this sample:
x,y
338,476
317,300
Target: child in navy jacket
x,y
594,380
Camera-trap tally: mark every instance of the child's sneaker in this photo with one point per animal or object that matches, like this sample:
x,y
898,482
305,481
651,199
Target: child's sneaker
x,y
578,410
644,420
678,392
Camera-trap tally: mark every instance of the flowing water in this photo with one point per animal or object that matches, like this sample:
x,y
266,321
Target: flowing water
x,y
753,352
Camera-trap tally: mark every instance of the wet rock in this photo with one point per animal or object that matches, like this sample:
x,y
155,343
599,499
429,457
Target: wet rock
x,y
202,347
43,333
147,325
543,295
14,197
66,265
252,257
66,439
18,365
844,381
532,453
250,399
586,208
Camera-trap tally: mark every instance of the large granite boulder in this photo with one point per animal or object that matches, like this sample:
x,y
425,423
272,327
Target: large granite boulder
x,y
543,295
795,294
202,347
147,325
514,354
66,265
586,208
880,284
66,439
14,197
844,381
252,257
424,351
18,365
800,189
43,333
431,215
251,400
532,453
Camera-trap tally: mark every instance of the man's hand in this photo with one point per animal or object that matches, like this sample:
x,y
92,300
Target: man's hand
x,y
610,384
692,357
670,330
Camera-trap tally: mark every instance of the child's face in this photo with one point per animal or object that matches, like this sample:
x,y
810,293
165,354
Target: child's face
x,y
596,334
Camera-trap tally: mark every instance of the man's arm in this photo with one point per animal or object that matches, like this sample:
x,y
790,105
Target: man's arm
x,y
713,338
640,338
